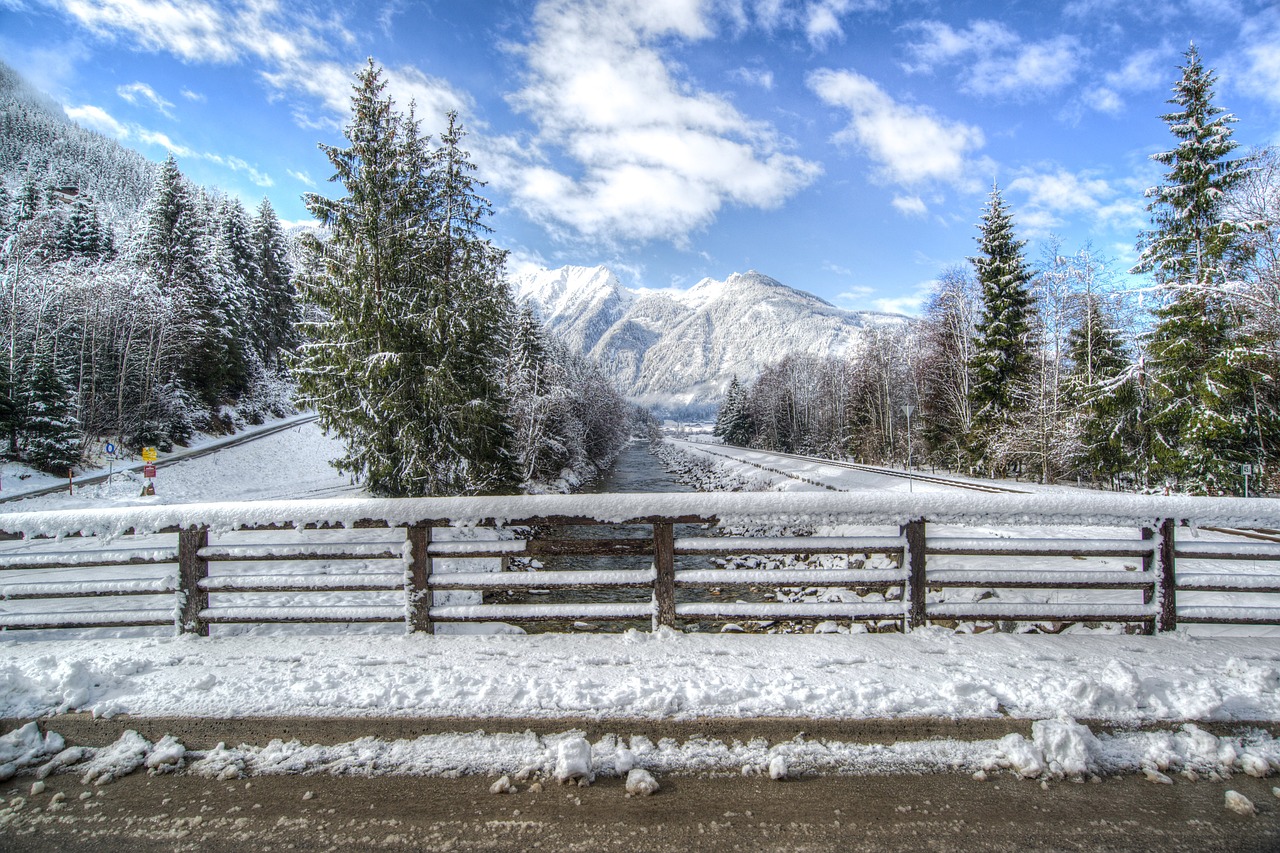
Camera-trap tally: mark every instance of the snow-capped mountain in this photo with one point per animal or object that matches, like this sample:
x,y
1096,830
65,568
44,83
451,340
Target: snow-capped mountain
x,y
678,349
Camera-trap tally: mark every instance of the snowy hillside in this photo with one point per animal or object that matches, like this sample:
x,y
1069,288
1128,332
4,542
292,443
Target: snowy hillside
x,y
680,349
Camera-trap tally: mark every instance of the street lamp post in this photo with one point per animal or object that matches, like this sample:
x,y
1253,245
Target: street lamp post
x,y
907,409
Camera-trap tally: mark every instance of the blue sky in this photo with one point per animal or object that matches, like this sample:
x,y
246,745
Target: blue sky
x,y
844,147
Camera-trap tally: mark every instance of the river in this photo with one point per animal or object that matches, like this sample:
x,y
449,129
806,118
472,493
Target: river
x,y
635,470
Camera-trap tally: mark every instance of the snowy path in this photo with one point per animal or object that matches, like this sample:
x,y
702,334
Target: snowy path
x,y
789,472
292,462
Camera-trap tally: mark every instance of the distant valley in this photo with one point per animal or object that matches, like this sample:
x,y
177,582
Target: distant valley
x,y
677,351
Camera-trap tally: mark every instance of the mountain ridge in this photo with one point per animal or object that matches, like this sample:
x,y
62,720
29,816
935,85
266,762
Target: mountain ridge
x,y
678,350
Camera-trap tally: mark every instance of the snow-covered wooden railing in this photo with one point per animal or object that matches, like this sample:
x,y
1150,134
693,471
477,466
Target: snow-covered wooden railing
x,y
89,548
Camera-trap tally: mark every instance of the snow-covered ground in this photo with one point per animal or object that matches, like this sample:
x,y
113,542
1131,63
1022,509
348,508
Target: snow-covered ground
x,y
293,463
667,675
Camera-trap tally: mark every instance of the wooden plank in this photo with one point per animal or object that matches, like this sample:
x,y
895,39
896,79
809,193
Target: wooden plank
x,y
97,561
607,579
235,555
848,578
744,545
542,612
1012,579
5,625
664,585
95,593
417,584
192,569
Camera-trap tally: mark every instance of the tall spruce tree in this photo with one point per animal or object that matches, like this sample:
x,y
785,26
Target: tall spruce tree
x,y
1002,358
1103,391
733,423
52,431
1205,417
405,365
273,326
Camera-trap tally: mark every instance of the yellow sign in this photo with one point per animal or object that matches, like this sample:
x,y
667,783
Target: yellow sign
x,y
148,454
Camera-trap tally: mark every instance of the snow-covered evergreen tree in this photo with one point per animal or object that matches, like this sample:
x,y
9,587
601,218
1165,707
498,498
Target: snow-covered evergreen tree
x,y
51,429
1205,419
1103,389
273,324
733,424
1002,358
405,364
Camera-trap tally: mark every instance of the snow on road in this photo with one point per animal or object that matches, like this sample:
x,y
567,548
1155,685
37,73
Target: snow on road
x,y
930,672
293,463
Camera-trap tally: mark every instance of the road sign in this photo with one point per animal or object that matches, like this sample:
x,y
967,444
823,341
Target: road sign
x,y
148,454
111,449
1246,469
149,470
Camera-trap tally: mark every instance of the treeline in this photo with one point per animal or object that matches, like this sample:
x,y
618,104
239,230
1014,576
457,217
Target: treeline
x,y
146,331
415,354
1050,370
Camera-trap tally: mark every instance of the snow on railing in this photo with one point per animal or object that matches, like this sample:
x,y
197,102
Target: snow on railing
x,y
90,552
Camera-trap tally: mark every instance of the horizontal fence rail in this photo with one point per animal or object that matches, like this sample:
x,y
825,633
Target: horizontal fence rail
x,y
279,562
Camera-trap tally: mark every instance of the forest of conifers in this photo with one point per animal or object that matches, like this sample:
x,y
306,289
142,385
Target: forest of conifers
x,y
1057,368
140,308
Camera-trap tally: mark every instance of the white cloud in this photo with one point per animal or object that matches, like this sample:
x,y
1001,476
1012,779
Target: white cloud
x,y
100,120
996,61
295,48
911,205
1052,195
909,144
761,77
236,164
1260,40
822,18
141,91
641,154
96,118
863,298
302,178
196,31
1142,71
193,96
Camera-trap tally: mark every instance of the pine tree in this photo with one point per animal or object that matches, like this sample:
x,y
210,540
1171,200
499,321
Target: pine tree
x,y
178,247
273,327
52,431
1103,390
733,424
1205,417
405,366
1002,359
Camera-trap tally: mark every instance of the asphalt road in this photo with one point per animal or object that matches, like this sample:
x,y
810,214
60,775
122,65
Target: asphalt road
x,y
940,812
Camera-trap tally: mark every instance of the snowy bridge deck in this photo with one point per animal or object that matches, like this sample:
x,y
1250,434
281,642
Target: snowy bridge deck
x,y
887,560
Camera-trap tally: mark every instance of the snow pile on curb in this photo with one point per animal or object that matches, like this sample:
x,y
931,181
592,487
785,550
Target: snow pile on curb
x,y
1058,749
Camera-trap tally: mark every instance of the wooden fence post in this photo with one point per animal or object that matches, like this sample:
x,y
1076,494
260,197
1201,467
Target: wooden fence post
x,y
1148,568
192,568
664,583
1168,618
914,555
417,587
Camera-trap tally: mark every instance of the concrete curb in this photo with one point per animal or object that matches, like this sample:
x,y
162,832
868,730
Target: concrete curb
x,y
206,733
